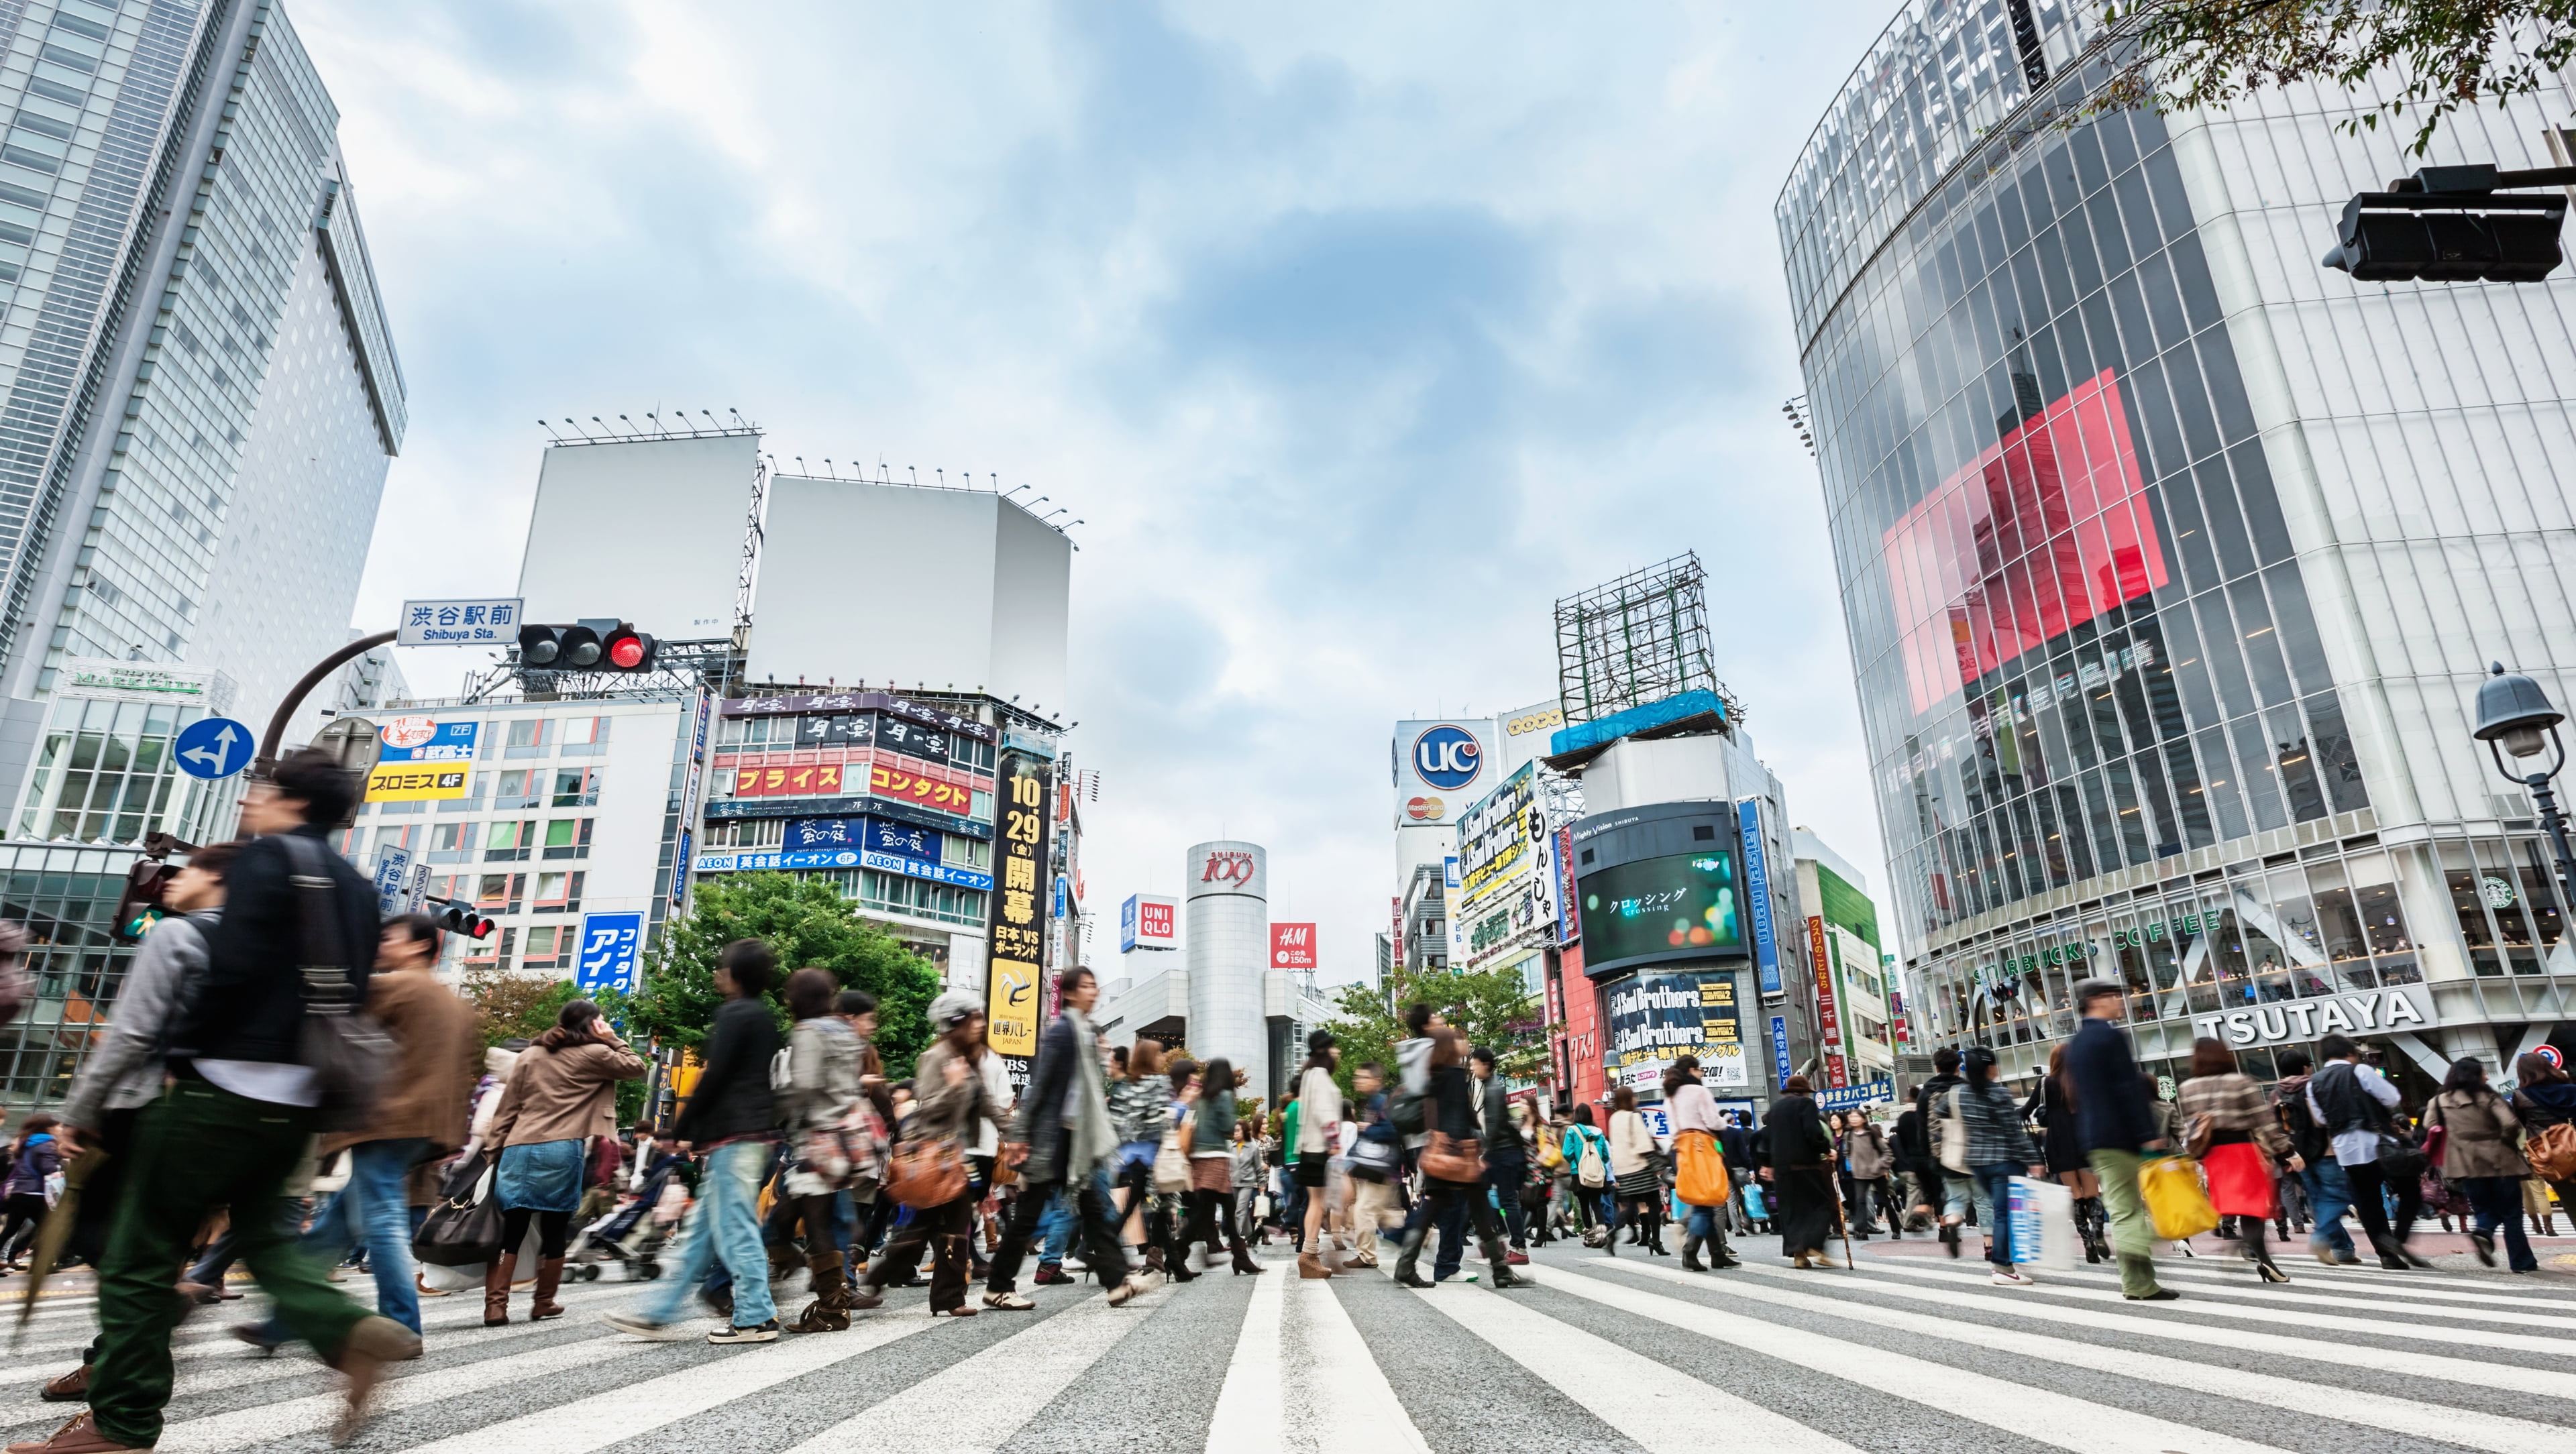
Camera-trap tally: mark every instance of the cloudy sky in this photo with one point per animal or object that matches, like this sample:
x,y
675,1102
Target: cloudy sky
x,y
1358,334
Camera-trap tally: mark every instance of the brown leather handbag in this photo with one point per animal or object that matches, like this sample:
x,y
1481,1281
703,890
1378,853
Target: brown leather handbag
x,y
927,1173
1453,1158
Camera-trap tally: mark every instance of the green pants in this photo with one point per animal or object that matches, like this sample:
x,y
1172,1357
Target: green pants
x,y
2133,1233
196,1149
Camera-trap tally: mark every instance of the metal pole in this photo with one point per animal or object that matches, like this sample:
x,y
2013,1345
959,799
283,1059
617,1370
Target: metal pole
x,y
261,765
2556,823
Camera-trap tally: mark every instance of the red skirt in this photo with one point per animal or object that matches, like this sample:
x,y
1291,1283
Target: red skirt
x,y
2240,1181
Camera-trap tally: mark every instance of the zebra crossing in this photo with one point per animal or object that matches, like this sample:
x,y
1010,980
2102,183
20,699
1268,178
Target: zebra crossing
x,y
1625,1353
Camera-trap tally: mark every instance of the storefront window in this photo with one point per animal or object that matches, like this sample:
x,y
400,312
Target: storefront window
x,y
2470,909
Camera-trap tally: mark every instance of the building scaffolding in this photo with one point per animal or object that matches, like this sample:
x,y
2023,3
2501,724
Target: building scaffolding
x,y
1638,639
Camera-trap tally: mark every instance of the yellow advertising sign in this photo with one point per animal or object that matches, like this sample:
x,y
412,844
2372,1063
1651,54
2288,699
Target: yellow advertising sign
x,y
1011,1008
413,782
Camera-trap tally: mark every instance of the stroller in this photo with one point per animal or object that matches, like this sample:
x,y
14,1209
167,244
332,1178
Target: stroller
x,y
628,1236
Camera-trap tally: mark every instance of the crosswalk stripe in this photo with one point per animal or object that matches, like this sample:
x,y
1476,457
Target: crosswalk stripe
x,y
639,1408
2412,1287
2323,1322
975,1405
1663,1409
2469,1427
2365,1354
2305,1292
1247,1417
1335,1396
2038,1414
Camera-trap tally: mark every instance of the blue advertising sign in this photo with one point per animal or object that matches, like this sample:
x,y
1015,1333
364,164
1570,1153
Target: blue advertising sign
x,y
611,952
418,739
1780,1068
964,878
903,840
805,833
1853,1097
393,880
1127,926
214,747
1757,889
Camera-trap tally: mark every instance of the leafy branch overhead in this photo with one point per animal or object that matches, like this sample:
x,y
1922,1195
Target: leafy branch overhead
x,y
2423,59
1493,1007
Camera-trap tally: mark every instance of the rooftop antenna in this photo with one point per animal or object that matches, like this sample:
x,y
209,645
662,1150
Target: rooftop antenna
x,y
827,467
915,473
943,477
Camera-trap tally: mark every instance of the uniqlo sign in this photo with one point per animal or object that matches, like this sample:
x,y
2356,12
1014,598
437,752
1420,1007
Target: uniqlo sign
x,y
1292,946
1146,921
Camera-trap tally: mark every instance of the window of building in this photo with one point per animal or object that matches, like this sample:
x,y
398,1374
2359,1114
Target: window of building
x,y
518,787
550,946
106,773
569,837
918,898
585,736
500,893
529,737
452,843
980,807
493,953
576,787
558,893
510,842
746,833
959,851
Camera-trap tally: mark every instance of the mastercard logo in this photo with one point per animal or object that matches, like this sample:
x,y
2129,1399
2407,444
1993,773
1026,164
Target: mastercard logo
x,y
1425,810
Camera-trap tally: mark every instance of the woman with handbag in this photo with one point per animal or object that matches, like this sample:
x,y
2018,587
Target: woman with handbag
x,y
1453,1167
1696,1156
560,1095
2234,1131
1140,1113
927,1172
1632,1172
1211,1154
2545,1101
1319,1117
2476,1129
833,1137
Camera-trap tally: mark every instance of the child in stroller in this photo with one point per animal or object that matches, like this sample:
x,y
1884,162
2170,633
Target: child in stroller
x,y
629,1236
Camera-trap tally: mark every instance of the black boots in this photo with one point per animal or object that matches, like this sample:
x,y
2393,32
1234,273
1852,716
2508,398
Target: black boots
x,y
1498,1258
830,1310
1409,1260
1690,1254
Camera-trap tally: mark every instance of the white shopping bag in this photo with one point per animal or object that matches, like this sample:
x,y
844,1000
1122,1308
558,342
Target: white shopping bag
x,y
2042,1218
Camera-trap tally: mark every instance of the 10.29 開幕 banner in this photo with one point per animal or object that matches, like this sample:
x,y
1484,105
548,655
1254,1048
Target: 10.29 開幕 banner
x,y
1016,911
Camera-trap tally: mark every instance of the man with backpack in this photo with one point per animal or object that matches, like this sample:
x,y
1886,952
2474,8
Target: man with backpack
x,y
2329,1193
1956,1189
2353,1102
242,1105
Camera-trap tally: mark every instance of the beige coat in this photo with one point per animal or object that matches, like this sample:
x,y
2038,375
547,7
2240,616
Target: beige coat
x,y
562,1095
2483,1130
426,1091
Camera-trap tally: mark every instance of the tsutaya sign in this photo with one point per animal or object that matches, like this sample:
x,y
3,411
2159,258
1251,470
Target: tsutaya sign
x,y
2379,1012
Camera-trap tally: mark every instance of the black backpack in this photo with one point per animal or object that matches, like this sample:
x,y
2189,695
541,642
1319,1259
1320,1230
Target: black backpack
x,y
2306,1137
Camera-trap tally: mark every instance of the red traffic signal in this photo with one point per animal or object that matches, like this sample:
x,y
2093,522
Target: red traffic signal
x,y
627,649
590,644
457,918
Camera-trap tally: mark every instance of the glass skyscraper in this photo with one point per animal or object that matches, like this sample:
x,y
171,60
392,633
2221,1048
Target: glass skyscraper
x,y
198,402
2171,560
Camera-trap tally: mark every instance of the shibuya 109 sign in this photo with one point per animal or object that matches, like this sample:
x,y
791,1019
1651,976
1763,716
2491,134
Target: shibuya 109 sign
x,y
1227,868
2366,1012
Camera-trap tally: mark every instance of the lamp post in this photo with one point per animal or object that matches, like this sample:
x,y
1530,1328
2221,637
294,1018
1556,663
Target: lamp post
x,y
2515,716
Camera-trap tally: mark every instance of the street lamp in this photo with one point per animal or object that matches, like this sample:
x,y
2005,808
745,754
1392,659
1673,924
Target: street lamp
x,y
2515,715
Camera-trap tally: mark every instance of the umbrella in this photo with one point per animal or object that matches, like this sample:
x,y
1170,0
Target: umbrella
x,y
56,1231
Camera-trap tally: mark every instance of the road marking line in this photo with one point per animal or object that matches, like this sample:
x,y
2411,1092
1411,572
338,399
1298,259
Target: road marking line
x,y
976,1405
1336,1398
1659,1407
2041,1415
1247,1416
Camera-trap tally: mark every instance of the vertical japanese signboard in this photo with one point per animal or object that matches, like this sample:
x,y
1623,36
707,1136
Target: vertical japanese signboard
x,y
1016,911
1829,1027
1757,893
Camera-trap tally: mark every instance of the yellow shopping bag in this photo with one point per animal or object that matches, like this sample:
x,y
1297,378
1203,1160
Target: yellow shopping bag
x,y
2170,1186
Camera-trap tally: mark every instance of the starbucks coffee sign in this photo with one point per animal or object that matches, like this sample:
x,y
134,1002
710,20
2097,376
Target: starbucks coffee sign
x,y
2290,1022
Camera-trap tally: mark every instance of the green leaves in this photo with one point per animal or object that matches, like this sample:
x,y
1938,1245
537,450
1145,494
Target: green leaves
x,y
1493,1007
806,923
2430,57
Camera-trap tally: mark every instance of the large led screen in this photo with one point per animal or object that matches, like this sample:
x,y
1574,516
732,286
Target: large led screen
x,y
1665,908
2047,529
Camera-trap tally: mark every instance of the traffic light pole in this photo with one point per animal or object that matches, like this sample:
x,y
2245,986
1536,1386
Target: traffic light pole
x,y
263,764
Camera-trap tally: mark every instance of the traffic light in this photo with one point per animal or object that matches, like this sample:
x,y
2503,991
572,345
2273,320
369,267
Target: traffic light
x,y
558,648
2451,225
139,907
626,649
459,918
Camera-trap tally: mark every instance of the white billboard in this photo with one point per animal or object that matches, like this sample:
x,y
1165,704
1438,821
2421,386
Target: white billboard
x,y
648,530
1441,765
1525,733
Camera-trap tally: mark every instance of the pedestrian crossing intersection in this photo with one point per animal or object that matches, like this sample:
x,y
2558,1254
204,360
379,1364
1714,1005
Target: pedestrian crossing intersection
x,y
1626,1354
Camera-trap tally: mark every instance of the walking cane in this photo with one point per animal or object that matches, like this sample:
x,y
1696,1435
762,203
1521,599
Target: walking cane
x,y
1843,1225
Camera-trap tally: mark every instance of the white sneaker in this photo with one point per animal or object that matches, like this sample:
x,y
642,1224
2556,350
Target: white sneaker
x,y
2011,1277
636,1327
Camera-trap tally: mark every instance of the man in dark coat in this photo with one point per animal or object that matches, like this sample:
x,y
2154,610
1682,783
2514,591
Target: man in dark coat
x,y
1063,1132
2118,1127
1801,1173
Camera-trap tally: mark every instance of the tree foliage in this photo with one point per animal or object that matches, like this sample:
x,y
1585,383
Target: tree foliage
x,y
806,923
511,1006
1493,1007
2427,57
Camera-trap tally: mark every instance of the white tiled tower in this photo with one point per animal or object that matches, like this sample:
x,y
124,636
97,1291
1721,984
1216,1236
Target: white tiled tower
x,y
1228,949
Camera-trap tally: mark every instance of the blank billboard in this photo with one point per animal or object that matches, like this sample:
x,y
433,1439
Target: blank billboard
x,y
897,585
649,531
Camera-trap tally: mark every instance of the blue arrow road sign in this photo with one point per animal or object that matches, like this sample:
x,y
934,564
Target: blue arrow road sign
x,y
215,747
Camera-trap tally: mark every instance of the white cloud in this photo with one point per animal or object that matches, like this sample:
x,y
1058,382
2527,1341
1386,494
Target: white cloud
x,y
1358,335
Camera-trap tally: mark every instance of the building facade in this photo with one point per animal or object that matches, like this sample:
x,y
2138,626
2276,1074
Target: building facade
x,y
1854,1018
2170,560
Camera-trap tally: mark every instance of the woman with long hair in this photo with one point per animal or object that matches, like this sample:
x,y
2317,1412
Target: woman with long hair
x,y
823,1095
1211,1153
2223,1105
1800,1172
1587,1171
1319,1120
1140,1111
2052,1107
561,1095
1632,1171
2479,1157
1249,1172
1694,1115
1452,1168
2545,1097
949,1099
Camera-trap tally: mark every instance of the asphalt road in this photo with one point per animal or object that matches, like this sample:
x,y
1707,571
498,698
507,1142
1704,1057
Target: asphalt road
x,y
1904,1353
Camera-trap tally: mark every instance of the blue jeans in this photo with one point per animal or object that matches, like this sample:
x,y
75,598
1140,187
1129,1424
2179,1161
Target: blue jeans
x,y
725,1224
373,1208
2498,1200
1994,1188
1702,1224
2329,1197
1063,1219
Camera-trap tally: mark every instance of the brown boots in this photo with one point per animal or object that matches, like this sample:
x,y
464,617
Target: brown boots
x,y
549,1280
496,1288
830,1310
